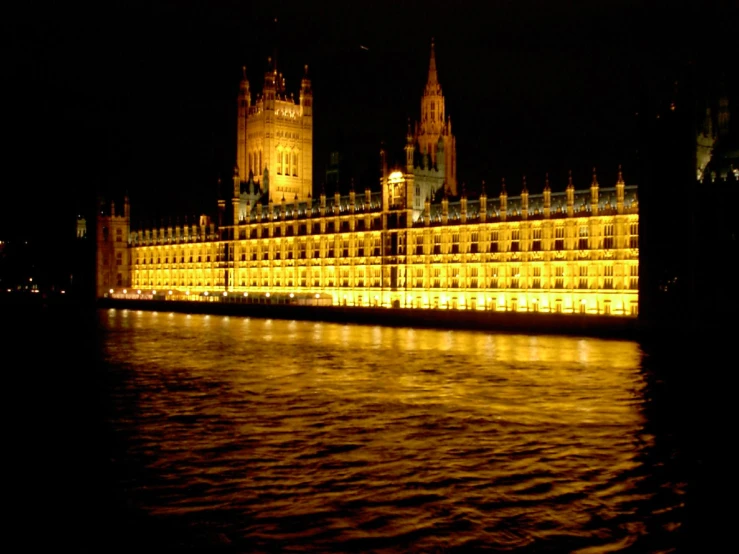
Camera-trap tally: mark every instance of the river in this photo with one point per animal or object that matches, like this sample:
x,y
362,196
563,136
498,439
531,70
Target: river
x,y
259,435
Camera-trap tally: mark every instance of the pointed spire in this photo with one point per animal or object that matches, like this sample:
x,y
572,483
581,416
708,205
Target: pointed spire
x,y
620,175
595,178
433,79
546,182
502,186
569,180
523,187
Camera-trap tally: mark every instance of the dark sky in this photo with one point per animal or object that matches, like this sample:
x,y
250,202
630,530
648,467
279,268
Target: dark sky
x,y
140,96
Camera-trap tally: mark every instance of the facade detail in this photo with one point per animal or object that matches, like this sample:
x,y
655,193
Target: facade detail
x,y
574,251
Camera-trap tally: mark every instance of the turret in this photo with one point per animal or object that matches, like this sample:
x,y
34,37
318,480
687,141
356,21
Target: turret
x,y
483,204
524,200
306,95
243,103
409,149
570,196
235,199
620,185
463,205
503,202
594,194
547,198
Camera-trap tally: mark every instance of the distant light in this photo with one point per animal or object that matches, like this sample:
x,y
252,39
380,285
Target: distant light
x,y
292,295
246,294
317,295
63,291
153,292
124,291
187,293
205,293
225,293
111,291
267,295
170,292
138,292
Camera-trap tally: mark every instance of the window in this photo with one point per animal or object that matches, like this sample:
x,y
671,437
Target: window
x,y
437,244
473,243
559,279
583,280
583,237
537,278
515,240
634,277
473,277
633,235
559,238
437,277
608,236
118,235
279,163
494,241
536,243
515,277
419,245
455,243
608,277
455,277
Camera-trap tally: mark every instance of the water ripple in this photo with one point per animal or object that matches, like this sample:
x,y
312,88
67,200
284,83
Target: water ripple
x,y
298,436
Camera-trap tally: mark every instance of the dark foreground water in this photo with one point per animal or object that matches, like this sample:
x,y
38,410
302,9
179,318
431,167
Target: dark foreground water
x,y
251,435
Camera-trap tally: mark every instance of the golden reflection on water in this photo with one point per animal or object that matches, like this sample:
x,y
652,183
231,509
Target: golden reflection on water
x,y
373,431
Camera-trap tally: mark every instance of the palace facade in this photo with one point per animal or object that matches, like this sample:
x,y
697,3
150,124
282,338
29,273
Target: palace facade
x,y
567,251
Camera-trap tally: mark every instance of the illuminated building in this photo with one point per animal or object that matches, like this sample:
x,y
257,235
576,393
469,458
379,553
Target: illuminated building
x,y
274,144
567,251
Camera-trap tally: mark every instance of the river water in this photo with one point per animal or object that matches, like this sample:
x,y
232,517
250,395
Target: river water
x,y
255,435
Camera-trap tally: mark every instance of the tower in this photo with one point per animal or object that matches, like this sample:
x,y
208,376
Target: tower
x,y
112,257
274,150
435,128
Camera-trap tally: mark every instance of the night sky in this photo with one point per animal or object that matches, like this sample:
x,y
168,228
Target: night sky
x,y
140,97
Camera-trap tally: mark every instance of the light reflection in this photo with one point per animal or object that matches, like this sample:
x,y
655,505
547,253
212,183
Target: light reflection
x,y
525,418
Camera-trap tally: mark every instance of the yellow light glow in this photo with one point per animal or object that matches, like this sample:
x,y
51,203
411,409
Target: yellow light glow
x,y
124,291
292,295
225,293
110,291
246,294
138,292
205,293
395,177
267,295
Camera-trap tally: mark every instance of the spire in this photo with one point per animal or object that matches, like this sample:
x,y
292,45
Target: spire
x,y
546,182
595,179
433,79
620,175
570,185
523,187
